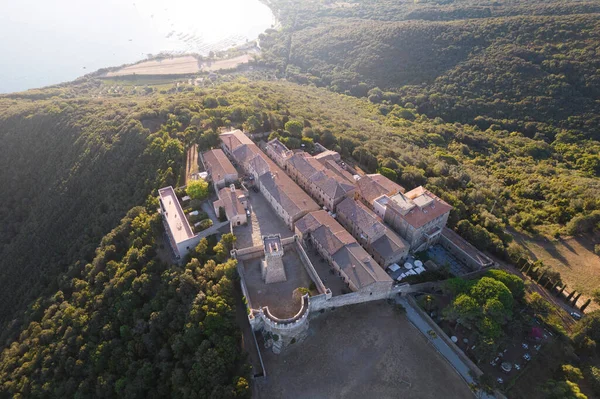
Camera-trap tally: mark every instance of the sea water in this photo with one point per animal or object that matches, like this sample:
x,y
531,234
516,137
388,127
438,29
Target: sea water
x,y
44,42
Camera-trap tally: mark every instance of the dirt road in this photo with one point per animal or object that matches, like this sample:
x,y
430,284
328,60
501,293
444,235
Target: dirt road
x,y
191,163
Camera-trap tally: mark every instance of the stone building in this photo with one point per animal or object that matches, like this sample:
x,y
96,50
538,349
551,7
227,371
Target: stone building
x,y
357,268
418,216
384,245
288,200
235,204
327,186
181,237
370,187
278,152
219,168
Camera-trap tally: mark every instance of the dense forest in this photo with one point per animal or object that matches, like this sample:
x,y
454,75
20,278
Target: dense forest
x,y
131,325
70,169
530,67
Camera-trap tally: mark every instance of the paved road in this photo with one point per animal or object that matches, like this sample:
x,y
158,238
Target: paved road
x,y
441,346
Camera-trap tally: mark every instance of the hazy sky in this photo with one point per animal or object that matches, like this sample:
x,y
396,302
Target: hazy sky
x,y
46,42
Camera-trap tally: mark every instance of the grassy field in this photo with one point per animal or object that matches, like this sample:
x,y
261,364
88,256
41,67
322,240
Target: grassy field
x,y
573,257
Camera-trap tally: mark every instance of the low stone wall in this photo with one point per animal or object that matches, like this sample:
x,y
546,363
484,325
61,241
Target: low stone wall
x,y
240,270
472,366
276,322
310,269
469,255
257,251
322,302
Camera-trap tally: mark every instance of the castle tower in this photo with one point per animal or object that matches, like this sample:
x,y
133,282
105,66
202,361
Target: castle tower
x,y
271,267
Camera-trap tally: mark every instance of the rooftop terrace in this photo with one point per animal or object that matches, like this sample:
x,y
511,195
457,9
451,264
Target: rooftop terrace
x,y
176,220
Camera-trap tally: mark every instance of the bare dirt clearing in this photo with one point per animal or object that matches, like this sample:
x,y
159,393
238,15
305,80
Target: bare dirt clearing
x,y
230,63
364,351
169,66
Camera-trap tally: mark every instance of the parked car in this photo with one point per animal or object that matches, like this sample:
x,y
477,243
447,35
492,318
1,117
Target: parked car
x,y
575,315
255,189
527,357
524,345
248,212
517,366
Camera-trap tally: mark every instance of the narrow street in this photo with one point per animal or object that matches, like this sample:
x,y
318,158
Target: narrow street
x,y
439,344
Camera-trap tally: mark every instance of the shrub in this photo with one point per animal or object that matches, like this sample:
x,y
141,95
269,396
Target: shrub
x,y
197,189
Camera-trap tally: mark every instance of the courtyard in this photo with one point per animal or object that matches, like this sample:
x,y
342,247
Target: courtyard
x,y
278,296
362,351
262,221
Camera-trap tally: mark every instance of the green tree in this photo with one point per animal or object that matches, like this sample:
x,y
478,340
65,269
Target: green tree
x,y
593,375
295,128
222,214
571,372
464,310
562,390
515,284
389,173
488,288
197,189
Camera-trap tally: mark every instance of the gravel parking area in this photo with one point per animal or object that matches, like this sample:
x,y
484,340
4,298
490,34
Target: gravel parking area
x,y
363,351
263,221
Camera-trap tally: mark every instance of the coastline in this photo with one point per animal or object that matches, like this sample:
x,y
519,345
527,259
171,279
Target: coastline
x,y
231,52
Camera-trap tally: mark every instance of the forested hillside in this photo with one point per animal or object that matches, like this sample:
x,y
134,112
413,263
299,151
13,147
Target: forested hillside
x,y
530,67
69,170
493,177
130,325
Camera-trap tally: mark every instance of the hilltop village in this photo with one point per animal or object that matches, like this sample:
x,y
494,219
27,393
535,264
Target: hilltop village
x,y
314,233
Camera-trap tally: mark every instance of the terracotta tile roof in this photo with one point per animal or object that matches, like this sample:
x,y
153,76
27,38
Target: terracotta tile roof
x,y
218,165
360,268
334,167
287,194
229,200
260,164
384,241
304,164
235,139
279,148
358,265
425,206
331,185
375,185
389,244
245,153
327,155
362,217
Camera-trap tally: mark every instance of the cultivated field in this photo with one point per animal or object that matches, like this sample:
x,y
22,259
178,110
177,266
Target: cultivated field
x,y
169,66
179,66
229,63
574,258
363,351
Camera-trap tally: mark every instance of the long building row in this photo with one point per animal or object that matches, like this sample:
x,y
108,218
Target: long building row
x,y
309,192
